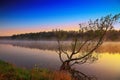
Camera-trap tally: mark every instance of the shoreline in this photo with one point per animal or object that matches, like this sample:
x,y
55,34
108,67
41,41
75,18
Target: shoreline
x,y
10,72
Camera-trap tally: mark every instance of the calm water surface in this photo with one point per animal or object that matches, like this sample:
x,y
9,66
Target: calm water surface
x,y
107,67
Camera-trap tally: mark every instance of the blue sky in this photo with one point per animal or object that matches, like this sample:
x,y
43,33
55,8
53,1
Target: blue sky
x,y
49,14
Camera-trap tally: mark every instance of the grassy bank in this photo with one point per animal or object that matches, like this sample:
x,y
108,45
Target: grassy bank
x,y
10,72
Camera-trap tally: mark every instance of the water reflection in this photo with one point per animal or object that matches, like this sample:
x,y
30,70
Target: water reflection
x,y
107,67
25,57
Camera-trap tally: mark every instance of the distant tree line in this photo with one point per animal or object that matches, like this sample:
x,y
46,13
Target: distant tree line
x,y
113,35
5,37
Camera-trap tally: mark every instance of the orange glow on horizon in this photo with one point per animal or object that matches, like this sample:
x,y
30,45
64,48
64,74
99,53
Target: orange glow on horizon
x,y
10,32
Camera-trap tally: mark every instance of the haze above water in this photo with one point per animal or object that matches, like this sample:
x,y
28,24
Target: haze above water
x,y
107,67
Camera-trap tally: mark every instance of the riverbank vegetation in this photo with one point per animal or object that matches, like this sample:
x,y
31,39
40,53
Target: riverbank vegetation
x,y
113,35
11,72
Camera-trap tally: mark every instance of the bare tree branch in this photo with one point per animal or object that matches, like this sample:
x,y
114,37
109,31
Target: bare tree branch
x,y
90,37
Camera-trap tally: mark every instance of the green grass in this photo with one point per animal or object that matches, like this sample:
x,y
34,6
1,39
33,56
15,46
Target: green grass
x,y
11,72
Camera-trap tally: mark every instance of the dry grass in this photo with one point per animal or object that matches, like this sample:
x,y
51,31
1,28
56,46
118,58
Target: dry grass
x,y
61,76
10,72
55,75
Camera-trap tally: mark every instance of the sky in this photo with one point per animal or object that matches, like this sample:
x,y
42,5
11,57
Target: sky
x,y
25,16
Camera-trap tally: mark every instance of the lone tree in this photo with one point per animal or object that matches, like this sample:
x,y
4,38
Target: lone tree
x,y
84,43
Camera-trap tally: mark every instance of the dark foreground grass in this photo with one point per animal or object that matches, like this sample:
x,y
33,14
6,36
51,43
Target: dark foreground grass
x,y
10,72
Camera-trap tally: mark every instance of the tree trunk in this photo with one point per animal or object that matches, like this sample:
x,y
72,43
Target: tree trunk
x,y
65,66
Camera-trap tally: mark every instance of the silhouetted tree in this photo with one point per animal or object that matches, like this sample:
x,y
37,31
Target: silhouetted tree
x,y
90,36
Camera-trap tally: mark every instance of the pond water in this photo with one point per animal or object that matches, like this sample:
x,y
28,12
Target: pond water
x,y
107,67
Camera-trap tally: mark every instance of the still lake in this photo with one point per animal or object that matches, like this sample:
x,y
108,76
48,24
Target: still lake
x,y
107,67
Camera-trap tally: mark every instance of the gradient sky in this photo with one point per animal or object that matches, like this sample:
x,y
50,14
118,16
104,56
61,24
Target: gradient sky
x,y
24,16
